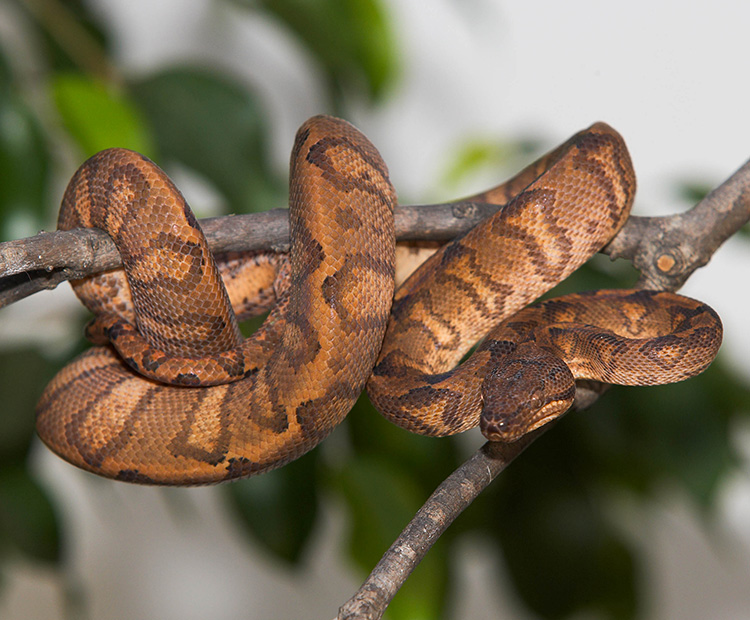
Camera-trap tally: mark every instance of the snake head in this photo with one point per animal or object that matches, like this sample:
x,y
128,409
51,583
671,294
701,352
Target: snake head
x,y
525,389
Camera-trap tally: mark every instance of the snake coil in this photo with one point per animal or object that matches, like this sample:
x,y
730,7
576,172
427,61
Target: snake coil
x,y
172,394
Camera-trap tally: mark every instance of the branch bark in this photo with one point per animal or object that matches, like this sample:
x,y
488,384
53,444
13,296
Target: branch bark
x,y
665,249
49,258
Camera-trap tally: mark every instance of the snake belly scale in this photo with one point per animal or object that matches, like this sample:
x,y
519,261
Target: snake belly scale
x,y
173,395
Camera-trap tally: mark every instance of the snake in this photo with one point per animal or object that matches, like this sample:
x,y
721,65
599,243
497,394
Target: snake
x,y
173,394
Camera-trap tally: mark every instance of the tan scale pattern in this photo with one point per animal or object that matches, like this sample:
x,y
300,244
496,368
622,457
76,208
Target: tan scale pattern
x,y
621,337
302,372
558,212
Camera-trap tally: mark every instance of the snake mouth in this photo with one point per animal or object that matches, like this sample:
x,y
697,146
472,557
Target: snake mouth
x,y
507,428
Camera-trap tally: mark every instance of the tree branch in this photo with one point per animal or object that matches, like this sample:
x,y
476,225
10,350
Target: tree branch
x,y
49,258
666,250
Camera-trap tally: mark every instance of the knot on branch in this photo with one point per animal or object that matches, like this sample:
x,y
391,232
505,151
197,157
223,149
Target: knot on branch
x,y
668,253
464,210
666,250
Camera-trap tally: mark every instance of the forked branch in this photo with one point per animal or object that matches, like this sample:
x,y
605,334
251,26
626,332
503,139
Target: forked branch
x,y
665,249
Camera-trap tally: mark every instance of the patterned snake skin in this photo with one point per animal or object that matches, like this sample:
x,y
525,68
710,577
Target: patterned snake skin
x,y
560,211
174,395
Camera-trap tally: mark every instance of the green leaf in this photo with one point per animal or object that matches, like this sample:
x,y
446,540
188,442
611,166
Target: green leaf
x,y
351,39
278,509
217,129
27,519
99,117
477,155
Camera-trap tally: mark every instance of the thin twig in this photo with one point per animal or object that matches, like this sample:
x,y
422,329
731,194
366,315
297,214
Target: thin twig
x,y
451,498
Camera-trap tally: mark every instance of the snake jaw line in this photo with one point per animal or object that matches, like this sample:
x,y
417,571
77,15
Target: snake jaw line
x,y
499,423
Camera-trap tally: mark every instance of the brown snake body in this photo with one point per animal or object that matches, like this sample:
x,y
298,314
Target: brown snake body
x,y
560,211
298,377
185,400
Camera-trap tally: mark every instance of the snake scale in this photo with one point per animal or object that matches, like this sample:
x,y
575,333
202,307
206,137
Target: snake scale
x,y
172,393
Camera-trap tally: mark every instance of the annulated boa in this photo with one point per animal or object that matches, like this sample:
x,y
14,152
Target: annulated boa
x,y
174,395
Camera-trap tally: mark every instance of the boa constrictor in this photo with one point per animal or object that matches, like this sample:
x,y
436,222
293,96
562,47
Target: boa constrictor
x,y
174,395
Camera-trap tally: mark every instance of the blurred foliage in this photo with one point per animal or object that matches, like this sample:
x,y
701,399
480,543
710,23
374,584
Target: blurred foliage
x,y
478,154
218,131
351,41
24,156
279,508
549,516
96,115
693,191
28,521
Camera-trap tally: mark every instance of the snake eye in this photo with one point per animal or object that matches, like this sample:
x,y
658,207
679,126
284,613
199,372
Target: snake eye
x,y
535,400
